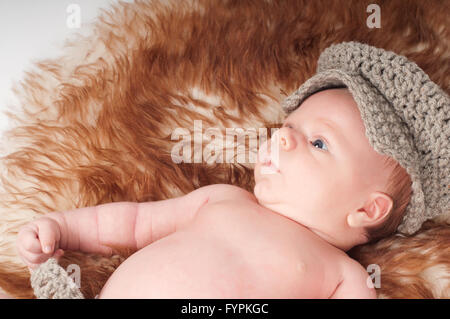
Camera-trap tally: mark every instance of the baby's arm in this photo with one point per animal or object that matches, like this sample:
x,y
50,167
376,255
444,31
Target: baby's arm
x,y
96,229
136,225
123,225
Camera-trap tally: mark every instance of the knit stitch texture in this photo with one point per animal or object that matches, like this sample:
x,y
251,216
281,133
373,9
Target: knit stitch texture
x,y
51,281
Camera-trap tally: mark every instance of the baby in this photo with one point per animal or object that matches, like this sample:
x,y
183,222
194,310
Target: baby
x,y
317,193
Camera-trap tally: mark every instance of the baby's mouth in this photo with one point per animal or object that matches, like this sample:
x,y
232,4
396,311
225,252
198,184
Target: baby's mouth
x,y
269,167
269,161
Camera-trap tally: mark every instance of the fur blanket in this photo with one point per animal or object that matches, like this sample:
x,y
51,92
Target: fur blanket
x,y
95,124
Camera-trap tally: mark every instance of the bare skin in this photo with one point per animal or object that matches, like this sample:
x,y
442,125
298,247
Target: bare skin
x,y
231,248
221,241
234,248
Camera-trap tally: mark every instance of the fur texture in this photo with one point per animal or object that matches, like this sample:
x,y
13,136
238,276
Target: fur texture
x,y
94,126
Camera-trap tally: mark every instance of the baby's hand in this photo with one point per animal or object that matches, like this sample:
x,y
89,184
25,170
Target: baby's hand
x,y
38,241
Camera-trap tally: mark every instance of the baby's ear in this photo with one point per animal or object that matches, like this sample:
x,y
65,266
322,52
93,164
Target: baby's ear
x,y
376,209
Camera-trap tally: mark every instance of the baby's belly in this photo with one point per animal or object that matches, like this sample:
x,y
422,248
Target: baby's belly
x,y
230,257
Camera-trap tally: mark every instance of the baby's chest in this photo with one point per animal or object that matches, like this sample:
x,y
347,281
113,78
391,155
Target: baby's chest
x,y
269,259
290,272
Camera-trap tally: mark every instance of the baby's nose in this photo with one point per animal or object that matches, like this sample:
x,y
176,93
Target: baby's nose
x,y
286,140
281,139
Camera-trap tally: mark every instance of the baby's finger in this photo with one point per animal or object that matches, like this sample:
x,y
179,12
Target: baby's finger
x,y
30,258
47,237
43,258
58,254
27,238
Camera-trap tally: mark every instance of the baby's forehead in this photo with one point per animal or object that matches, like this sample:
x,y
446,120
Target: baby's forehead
x,y
334,114
335,104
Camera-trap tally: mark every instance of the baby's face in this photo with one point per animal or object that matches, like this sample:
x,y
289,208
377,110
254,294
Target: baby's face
x,y
326,167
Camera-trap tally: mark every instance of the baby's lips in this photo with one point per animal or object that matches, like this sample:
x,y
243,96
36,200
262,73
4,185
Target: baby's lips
x,y
264,159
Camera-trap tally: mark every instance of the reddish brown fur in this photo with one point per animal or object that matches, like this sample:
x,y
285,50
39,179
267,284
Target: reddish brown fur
x,y
137,70
404,260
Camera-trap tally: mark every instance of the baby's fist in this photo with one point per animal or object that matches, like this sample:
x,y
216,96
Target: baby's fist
x,y
39,240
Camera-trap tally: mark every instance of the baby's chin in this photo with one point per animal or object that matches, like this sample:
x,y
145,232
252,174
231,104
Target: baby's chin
x,y
265,194
272,201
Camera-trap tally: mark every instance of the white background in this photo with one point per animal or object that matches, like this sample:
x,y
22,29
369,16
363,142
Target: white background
x,y
34,29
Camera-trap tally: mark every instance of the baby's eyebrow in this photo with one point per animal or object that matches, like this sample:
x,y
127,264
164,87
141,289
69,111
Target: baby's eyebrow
x,y
331,126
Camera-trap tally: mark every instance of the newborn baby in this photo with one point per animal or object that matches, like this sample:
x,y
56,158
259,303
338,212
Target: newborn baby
x,y
287,240
321,188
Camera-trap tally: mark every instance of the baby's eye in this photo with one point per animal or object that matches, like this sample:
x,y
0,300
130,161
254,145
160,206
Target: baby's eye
x,y
319,144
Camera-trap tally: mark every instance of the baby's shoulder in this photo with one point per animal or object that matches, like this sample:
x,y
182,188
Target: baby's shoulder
x,y
218,192
355,281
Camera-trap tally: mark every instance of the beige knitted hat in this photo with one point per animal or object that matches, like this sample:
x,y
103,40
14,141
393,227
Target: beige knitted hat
x,y
406,116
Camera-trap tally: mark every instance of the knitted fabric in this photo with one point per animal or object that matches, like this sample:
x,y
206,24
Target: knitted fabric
x,y
51,281
406,116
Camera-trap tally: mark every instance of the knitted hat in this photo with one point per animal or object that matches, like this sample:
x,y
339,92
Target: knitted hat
x,y
406,117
